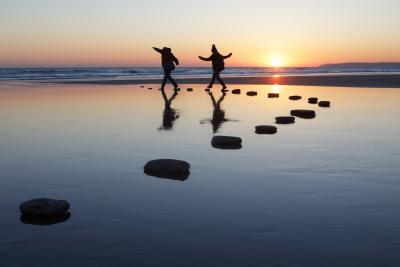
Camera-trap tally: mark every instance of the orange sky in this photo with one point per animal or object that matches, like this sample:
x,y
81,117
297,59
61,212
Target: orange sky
x,y
122,32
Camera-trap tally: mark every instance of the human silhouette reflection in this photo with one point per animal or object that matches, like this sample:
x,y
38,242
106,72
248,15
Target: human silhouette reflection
x,y
167,60
218,65
218,117
169,114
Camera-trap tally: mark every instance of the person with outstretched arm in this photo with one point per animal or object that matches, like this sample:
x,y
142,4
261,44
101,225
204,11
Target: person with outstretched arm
x,y
218,65
168,61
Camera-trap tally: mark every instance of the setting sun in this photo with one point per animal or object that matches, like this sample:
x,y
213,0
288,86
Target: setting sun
x,y
276,62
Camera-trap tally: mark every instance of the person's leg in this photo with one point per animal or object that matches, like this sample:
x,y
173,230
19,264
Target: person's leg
x,y
164,80
221,81
212,80
172,80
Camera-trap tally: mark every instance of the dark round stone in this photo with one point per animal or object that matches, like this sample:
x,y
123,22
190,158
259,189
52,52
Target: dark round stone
x,y
44,207
168,168
190,89
150,88
294,97
236,91
251,93
285,120
35,220
324,104
313,100
273,95
303,113
226,142
142,86
266,129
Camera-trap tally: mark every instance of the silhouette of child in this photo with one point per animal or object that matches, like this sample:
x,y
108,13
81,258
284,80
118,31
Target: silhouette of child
x,y
218,65
167,59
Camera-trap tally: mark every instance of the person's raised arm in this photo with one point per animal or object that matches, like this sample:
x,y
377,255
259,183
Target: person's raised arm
x,y
205,58
227,56
175,60
157,49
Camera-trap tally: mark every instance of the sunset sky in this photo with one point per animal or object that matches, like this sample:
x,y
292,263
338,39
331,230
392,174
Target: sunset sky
x,y
50,33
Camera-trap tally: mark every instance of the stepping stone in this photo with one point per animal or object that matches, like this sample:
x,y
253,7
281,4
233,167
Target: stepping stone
x,y
44,208
150,88
142,86
168,168
303,113
313,100
236,91
295,97
266,129
285,120
190,89
324,104
226,142
34,220
273,95
251,93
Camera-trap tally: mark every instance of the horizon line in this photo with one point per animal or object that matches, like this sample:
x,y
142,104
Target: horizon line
x,y
158,66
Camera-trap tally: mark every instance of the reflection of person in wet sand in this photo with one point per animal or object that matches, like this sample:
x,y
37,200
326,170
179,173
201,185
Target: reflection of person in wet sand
x,y
218,117
169,114
167,59
218,65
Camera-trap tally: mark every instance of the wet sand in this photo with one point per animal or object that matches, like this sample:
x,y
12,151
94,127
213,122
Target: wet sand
x,y
324,191
370,81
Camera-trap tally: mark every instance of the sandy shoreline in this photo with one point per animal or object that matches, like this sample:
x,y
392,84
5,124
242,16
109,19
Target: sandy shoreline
x,y
373,81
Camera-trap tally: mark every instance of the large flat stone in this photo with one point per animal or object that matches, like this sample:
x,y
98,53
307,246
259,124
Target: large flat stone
x,y
285,120
303,113
266,129
44,207
168,168
226,142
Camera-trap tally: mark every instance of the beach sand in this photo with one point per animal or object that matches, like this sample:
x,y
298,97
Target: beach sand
x,y
320,192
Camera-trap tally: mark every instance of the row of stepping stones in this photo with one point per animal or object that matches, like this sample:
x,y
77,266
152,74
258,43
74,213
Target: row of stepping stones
x,y
311,100
44,211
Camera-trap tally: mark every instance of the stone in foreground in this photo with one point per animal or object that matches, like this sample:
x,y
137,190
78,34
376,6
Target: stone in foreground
x,y
168,168
313,100
273,95
44,220
251,93
190,89
44,208
226,142
285,120
295,97
266,129
303,113
236,91
324,104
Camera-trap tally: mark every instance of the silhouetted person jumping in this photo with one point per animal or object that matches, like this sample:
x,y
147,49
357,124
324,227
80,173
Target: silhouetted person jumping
x,y
167,59
218,65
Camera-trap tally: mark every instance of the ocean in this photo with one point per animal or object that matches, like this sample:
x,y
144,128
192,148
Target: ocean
x,y
194,72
